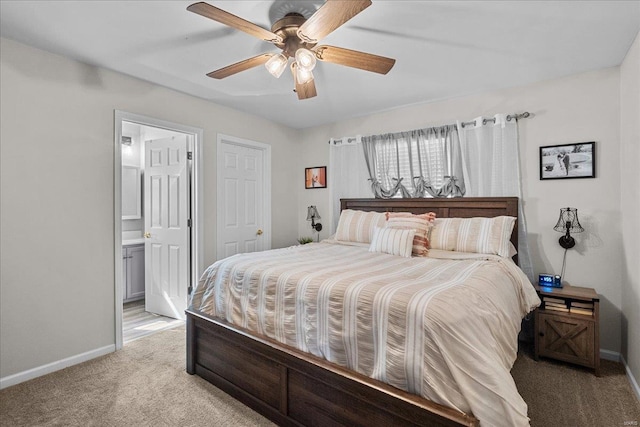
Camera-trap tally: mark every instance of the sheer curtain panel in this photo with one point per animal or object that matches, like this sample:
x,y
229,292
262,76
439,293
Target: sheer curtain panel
x,y
491,168
348,176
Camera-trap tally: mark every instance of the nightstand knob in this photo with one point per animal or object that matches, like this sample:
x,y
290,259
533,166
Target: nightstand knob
x,y
541,334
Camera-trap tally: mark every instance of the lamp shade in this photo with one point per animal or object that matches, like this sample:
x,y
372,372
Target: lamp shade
x,y
568,221
312,213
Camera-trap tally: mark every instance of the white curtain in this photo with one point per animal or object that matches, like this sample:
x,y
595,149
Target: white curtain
x,y
491,168
348,175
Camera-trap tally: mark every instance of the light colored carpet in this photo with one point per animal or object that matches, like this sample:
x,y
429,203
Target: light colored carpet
x,y
559,394
145,384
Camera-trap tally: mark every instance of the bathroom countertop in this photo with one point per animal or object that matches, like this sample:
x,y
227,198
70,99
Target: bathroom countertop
x,y
129,242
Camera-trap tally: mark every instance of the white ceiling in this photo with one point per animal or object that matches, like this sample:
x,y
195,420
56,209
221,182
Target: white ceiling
x,y
443,49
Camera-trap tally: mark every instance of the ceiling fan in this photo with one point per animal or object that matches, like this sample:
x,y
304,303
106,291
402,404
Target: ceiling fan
x,y
298,37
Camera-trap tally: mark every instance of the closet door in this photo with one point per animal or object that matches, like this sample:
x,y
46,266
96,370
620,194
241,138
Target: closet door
x,y
241,224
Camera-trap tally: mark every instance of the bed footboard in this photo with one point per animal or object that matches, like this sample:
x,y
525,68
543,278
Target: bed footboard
x,y
293,388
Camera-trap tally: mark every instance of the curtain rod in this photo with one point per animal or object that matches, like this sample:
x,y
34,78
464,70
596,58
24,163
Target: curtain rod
x,y
349,139
510,117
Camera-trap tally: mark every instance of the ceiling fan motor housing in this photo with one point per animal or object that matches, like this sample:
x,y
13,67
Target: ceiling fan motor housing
x,y
287,29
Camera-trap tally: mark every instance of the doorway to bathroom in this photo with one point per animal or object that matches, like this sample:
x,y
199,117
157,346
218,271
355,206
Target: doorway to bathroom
x,y
157,228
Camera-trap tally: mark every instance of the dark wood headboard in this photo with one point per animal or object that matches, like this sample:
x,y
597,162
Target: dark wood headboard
x,y
462,207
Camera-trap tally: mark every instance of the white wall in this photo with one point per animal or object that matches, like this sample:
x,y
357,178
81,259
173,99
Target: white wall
x,y
578,108
56,218
630,206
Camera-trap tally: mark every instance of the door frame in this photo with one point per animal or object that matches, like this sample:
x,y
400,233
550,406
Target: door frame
x,y
266,185
195,140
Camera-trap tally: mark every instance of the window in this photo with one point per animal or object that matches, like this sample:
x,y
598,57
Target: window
x,y
421,159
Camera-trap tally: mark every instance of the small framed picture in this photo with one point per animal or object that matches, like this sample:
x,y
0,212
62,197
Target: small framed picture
x,y
568,161
315,177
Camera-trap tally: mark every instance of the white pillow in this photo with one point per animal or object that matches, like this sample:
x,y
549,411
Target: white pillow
x,y
415,222
512,250
478,235
393,241
358,226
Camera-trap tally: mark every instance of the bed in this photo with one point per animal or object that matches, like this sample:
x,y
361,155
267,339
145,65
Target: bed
x,y
289,363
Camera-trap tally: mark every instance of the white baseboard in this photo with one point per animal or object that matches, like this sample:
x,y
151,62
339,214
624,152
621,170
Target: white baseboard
x,y
54,366
617,357
614,356
632,379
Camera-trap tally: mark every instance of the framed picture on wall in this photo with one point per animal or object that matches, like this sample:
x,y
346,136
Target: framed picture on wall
x,y
315,177
568,161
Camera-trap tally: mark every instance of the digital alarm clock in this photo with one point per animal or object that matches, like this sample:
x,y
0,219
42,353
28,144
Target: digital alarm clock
x,y
549,280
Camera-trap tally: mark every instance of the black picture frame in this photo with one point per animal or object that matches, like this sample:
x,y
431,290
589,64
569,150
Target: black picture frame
x,y
315,177
568,161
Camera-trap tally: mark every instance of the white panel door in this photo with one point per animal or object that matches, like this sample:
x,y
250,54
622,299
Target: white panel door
x,y
242,220
166,228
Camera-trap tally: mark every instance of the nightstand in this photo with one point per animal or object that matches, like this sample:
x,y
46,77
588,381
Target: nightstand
x,y
567,325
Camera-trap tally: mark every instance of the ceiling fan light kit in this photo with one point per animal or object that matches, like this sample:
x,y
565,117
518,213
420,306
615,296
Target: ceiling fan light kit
x,y
276,65
305,59
303,75
297,37
304,89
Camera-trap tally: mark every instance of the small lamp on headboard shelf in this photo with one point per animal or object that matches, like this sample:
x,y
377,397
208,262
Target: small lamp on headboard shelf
x,y
313,215
567,223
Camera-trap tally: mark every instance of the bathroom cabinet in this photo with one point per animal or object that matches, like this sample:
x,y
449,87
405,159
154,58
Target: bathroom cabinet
x,y
133,272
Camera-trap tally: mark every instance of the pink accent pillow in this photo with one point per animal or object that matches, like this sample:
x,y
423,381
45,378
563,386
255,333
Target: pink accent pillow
x,y
420,223
429,216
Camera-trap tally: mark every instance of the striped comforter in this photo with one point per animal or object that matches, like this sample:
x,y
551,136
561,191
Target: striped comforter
x,y
443,327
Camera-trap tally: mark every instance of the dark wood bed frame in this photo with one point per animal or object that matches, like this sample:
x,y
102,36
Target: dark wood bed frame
x,y
293,388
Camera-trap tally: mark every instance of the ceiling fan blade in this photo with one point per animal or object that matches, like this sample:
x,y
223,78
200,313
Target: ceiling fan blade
x,y
240,66
304,90
330,16
234,21
354,58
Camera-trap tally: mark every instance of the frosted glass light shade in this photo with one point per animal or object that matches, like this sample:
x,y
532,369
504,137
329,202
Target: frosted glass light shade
x,y
306,59
276,65
303,75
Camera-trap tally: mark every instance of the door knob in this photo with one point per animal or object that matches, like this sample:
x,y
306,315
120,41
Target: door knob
x,y
259,232
147,235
